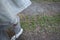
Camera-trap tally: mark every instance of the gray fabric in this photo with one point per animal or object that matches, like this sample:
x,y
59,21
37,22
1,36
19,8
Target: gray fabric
x,y
17,27
3,35
9,9
8,14
4,27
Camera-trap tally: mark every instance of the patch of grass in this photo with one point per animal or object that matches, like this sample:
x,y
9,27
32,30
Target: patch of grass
x,y
49,23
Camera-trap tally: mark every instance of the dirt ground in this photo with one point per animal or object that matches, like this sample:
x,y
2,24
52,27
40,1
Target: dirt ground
x,y
39,36
42,9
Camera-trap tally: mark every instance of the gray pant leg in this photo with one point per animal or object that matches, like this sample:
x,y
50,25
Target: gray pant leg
x,y
3,35
18,27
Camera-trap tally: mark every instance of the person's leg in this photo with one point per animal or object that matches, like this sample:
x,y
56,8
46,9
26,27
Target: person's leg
x,y
17,28
3,35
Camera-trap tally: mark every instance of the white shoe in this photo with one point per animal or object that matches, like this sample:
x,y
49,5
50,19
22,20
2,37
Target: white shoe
x,y
17,35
